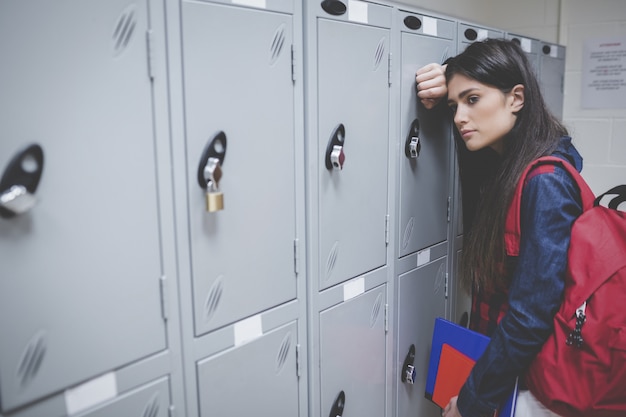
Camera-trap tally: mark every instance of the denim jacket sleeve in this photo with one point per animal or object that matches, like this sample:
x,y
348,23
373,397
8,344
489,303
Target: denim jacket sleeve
x,y
550,204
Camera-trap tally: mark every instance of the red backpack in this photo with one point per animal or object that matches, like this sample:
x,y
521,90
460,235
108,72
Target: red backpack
x,y
581,369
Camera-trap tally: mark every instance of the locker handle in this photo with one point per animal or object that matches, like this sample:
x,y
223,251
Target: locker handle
x,y
412,146
471,34
408,368
334,7
412,22
20,181
214,153
338,405
335,156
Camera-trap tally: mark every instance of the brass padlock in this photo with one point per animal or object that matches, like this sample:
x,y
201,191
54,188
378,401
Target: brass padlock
x,y
214,201
214,198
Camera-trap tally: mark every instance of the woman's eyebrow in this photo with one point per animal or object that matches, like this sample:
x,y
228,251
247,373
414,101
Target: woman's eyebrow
x,y
463,94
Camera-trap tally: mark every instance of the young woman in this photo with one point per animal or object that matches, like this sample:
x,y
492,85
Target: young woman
x,y
502,125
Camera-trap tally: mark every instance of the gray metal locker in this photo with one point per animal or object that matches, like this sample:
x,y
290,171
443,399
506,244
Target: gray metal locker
x,y
256,378
422,298
552,76
425,137
461,300
239,111
152,400
530,46
469,32
352,356
352,77
81,283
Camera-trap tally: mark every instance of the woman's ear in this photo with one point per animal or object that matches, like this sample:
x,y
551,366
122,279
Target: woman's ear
x,y
517,95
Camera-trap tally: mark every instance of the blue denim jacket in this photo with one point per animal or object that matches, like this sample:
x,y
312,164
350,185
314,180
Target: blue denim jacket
x,y
550,204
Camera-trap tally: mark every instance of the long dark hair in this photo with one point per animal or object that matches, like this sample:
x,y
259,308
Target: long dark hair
x,y
488,180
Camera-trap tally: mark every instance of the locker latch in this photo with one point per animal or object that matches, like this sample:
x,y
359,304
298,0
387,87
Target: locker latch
x,y
20,180
412,145
335,156
334,7
338,406
408,368
210,172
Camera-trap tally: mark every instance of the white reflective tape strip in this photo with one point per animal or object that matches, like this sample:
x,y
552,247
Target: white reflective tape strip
x,y
482,34
353,288
423,257
526,45
248,329
429,25
91,393
554,51
262,4
358,11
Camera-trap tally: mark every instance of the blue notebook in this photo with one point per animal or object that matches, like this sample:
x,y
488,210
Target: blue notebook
x,y
469,345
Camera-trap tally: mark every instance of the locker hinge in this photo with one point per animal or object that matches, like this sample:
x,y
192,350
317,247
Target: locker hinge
x,y
171,411
164,301
446,287
293,64
150,47
298,372
386,318
389,69
386,229
296,256
449,206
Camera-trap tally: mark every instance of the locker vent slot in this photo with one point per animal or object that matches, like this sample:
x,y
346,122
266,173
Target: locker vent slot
x,y
376,310
380,53
283,352
31,359
277,43
152,408
124,30
332,258
213,299
408,231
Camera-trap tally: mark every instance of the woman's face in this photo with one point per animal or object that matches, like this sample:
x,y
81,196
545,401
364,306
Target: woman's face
x,y
483,114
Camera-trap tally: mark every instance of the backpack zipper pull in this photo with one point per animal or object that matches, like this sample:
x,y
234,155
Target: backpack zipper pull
x,y
575,337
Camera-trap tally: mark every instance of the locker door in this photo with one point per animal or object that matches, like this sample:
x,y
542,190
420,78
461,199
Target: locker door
x,y
242,256
352,356
468,33
425,173
421,300
152,400
530,47
552,75
462,300
258,378
80,280
353,88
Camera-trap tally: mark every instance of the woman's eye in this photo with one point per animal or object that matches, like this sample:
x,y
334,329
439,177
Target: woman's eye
x,y
472,99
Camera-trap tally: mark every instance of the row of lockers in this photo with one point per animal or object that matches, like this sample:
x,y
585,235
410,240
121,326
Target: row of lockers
x,y
226,207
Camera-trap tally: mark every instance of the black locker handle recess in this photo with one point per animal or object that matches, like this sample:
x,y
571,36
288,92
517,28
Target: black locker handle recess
x,y
335,156
338,406
412,22
20,181
334,7
412,145
408,367
215,148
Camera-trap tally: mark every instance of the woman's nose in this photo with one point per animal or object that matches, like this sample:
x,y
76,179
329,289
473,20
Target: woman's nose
x,y
460,116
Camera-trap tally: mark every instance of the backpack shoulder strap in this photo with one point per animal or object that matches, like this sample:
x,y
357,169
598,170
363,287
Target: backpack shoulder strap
x,y
513,218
